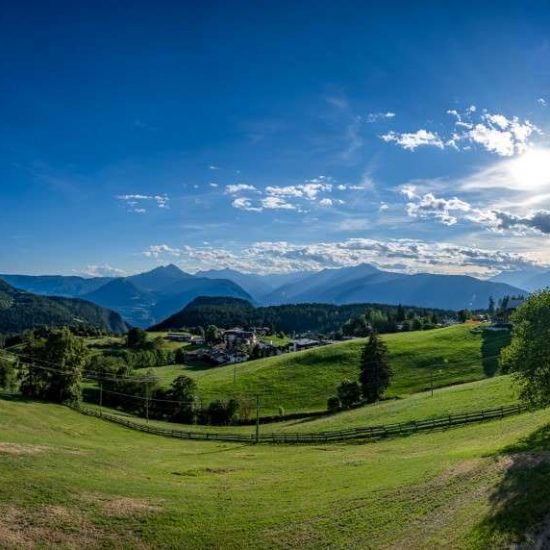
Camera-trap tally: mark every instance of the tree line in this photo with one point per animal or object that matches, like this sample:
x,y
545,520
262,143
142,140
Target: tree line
x,y
322,319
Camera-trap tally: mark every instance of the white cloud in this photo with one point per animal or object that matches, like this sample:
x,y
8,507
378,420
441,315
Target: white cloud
x,y
330,202
541,101
213,167
214,185
374,117
158,250
104,270
447,211
243,203
503,136
276,203
493,131
136,202
430,206
236,188
411,141
405,255
309,190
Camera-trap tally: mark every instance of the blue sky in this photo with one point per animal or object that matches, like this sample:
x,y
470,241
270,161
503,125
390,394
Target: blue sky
x,y
274,136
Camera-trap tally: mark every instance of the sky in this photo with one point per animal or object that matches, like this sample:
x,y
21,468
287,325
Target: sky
x,y
274,136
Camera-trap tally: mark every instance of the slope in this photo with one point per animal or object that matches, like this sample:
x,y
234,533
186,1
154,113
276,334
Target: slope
x,y
73,481
21,310
303,381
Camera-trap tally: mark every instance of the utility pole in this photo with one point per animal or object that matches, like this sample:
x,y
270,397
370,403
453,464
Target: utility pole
x,y
257,418
101,397
147,401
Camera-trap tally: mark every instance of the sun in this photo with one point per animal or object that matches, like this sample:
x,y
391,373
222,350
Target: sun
x,y
531,171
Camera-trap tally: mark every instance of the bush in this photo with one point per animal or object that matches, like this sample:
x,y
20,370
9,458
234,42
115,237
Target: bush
x,y
333,404
349,393
222,413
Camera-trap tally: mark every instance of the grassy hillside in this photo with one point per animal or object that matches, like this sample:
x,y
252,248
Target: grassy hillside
x,y
303,381
490,393
73,481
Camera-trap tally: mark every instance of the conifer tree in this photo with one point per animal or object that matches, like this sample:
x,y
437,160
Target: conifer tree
x,y
376,372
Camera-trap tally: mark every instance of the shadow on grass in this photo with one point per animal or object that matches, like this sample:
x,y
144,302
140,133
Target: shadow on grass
x,y
17,398
491,344
521,500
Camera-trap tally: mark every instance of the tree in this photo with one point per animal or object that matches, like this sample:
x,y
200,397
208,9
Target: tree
x,y
212,334
464,315
55,365
333,404
222,413
182,393
528,355
136,338
8,374
400,316
376,372
491,307
349,393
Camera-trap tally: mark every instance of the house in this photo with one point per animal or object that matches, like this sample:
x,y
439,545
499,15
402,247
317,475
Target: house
x,y
304,343
237,357
178,337
239,337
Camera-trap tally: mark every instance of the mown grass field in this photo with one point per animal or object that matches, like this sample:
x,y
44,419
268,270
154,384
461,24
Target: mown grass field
x,y
303,381
464,398
73,481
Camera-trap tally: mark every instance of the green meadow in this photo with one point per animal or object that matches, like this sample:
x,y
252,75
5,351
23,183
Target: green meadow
x,y
73,481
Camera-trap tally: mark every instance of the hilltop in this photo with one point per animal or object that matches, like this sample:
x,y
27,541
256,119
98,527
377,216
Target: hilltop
x,y
22,310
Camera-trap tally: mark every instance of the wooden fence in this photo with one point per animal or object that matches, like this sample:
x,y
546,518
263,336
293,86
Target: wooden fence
x,y
365,433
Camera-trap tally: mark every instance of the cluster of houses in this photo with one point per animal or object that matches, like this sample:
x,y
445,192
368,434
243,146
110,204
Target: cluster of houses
x,y
237,346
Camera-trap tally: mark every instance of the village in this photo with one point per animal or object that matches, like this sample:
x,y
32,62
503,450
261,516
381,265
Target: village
x,y
238,345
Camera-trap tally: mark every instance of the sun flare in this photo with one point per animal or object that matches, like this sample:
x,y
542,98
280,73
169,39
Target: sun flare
x,y
531,171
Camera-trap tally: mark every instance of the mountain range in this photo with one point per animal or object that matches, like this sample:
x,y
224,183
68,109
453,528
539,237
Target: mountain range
x,y
148,298
142,299
21,310
531,278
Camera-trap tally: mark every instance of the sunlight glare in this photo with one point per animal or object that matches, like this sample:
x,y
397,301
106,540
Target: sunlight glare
x,y
531,171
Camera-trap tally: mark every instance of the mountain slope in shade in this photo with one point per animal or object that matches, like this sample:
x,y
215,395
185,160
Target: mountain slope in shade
x,y
538,281
55,285
148,298
531,278
123,296
365,283
258,286
178,295
255,285
20,310
159,278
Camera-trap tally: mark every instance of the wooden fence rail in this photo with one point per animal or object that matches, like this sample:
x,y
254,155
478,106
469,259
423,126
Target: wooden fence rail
x,y
365,433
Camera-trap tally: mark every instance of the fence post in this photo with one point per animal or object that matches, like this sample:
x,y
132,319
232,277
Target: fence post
x,y
257,419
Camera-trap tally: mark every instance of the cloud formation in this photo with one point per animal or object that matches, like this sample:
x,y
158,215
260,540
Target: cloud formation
x,y
137,203
289,197
403,255
104,270
494,132
237,188
411,141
